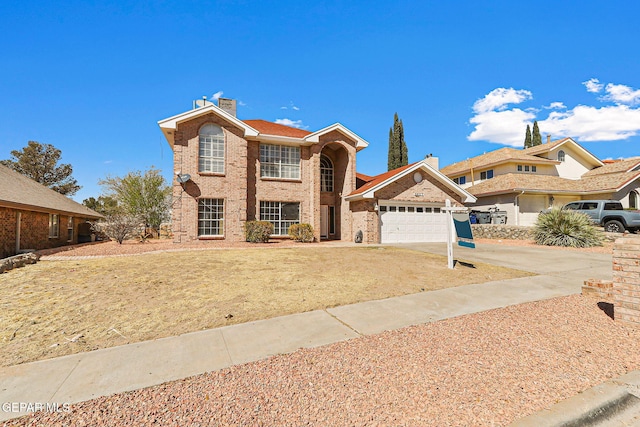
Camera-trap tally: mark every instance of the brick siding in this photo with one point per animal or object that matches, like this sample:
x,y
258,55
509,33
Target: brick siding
x,y
34,231
626,280
243,189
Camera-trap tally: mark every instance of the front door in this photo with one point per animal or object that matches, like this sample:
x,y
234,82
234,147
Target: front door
x,y
324,221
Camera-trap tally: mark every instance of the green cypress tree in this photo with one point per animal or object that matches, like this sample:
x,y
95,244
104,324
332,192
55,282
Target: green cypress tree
x,y
527,138
537,138
392,157
404,151
398,153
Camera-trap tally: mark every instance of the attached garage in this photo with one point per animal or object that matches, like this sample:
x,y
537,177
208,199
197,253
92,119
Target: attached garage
x,y
405,205
412,223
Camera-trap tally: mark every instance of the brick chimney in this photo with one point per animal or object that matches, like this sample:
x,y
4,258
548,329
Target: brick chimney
x,y
228,105
432,161
548,138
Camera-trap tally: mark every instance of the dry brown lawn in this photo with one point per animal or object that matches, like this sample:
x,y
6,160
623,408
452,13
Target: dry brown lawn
x,y
62,307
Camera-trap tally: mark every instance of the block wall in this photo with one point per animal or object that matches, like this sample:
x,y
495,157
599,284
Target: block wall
x,y
626,280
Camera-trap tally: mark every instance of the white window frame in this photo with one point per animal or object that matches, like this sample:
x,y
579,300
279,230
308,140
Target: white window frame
x,y
211,149
488,174
54,226
70,229
210,217
326,173
279,161
274,213
561,156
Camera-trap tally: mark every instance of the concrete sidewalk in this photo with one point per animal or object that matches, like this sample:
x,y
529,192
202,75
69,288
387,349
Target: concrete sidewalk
x,y
79,377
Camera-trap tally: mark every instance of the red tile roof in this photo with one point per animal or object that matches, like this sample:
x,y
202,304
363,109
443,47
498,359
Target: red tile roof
x,y
363,177
270,128
380,178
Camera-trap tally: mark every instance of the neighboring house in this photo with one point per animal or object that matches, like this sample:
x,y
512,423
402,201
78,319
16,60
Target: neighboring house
x,y
231,171
525,182
33,216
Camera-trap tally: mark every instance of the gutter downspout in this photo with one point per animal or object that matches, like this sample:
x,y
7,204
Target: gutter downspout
x,y
517,206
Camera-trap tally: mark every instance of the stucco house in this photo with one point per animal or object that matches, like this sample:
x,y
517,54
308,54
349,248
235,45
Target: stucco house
x,y
230,171
524,182
34,217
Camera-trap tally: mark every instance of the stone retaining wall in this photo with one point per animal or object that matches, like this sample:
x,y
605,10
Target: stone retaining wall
x,y
16,261
626,280
501,231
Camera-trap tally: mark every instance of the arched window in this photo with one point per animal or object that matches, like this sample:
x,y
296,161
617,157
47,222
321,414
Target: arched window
x,y
561,156
211,150
633,200
326,174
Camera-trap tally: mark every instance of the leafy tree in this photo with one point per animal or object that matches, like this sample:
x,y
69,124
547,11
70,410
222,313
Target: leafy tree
x,y
143,196
528,142
398,153
537,138
104,205
40,163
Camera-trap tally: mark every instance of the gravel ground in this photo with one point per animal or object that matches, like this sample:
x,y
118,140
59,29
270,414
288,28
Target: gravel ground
x,y
484,369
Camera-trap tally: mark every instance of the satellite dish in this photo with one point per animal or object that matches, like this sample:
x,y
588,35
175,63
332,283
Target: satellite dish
x,y
183,177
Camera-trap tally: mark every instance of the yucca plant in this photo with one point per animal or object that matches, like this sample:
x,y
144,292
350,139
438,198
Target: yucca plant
x,y
559,227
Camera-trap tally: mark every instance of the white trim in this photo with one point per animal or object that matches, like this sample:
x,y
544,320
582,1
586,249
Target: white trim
x,y
439,176
585,153
169,125
315,136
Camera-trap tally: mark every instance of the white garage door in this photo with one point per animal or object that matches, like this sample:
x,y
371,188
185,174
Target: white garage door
x,y
407,224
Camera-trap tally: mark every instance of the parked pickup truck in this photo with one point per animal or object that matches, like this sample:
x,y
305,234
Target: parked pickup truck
x,y
609,214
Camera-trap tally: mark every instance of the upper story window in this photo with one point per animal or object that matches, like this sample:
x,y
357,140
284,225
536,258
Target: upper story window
x,y
527,168
561,156
460,180
486,174
326,174
211,149
279,161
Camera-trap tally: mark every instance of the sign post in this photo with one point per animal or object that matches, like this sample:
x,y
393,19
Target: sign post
x,y
458,226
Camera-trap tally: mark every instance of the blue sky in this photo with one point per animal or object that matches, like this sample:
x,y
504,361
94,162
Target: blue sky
x,y
93,78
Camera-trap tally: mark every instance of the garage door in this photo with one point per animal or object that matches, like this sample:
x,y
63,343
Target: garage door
x,y
407,224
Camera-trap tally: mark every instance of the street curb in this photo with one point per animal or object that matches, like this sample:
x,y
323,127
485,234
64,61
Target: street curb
x,y
612,399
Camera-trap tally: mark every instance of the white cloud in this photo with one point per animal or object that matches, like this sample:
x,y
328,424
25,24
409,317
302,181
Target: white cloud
x,y
494,122
555,106
621,94
499,98
586,123
217,95
242,104
503,127
593,85
292,106
293,123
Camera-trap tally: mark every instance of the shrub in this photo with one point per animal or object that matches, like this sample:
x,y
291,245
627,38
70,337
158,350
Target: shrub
x,y
301,233
257,231
117,226
566,228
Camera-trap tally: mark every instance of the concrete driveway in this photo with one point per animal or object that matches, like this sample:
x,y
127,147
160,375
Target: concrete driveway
x,y
540,260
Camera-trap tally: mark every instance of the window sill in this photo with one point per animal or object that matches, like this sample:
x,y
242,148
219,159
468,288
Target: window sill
x,y
210,237
266,178
211,174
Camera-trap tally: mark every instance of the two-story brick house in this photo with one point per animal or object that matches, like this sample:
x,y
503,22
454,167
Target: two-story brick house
x,y
230,171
